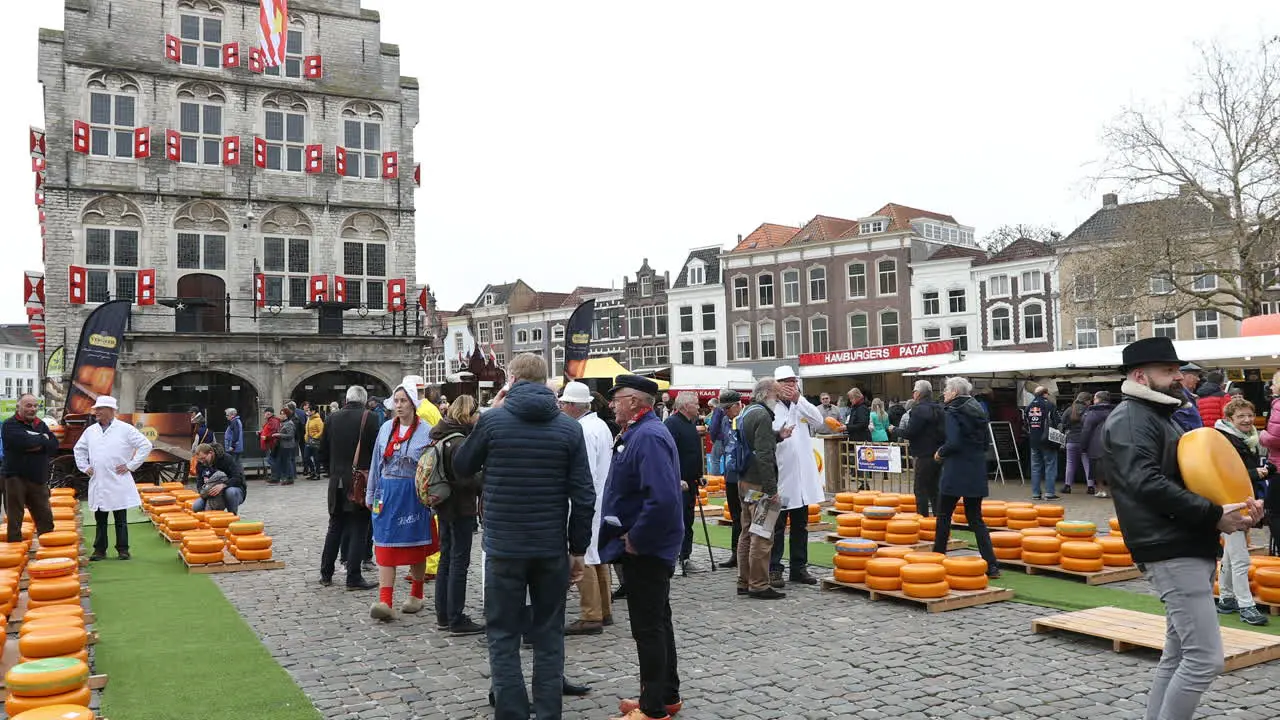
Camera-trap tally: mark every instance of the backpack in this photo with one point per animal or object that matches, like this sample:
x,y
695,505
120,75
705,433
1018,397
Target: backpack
x,y
737,451
431,480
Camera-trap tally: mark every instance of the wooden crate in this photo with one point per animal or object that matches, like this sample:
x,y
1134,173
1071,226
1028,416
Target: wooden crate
x,y
231,564
923,545
1129,629
1102,577
953,600
816,527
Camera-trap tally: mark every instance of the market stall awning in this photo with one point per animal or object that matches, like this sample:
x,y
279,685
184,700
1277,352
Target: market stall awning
x,y
873,367
603,368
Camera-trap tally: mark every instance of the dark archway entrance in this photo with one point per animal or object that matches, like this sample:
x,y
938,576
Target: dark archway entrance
x,y
331,386
201,305
211,391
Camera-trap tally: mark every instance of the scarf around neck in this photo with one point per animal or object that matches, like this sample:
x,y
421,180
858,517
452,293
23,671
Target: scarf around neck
x,y
1250,438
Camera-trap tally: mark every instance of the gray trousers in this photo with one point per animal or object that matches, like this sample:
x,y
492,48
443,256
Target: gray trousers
x,y
1192,655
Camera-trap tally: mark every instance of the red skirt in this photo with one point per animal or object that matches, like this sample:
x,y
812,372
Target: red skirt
x,y
399,556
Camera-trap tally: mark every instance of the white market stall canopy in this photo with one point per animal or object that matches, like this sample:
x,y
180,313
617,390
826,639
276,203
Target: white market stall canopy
x,y
1222,352
873,367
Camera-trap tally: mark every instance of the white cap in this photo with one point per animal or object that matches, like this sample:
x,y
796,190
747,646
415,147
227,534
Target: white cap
x,y
576,392
106,401
414,381
784,372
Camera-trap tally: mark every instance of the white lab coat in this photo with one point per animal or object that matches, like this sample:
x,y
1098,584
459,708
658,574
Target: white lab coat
x,y
104,450
599,457
798,480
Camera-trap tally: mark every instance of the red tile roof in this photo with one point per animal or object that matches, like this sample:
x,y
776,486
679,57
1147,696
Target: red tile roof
x,y
900,217
1020,249
822,228
768,235
548,300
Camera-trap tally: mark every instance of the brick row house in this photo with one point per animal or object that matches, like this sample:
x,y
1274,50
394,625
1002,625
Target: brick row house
x,y
645,299
696,310
1017,288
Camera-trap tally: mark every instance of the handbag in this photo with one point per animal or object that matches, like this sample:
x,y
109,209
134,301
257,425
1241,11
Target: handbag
x,y
359,478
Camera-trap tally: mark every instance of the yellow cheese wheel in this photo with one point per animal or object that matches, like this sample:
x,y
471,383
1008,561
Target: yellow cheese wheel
x,y
1031,557
245,527
876,524
888,500
197,558
252,555
182,523
935,589
850,562
16,704
924,557
996,521
62,492
1077,528
1040,544
63,501
1081,550
1006,539
849,532
54,611
202,545
1113,544
62,513
1008,553
45,678
54,588
885,567
1117,559
221,522
51,568
1267,577
68,600
65,551
903,527
881,582
57,712
1211,467
845,497
253,542
876,535
58,539
923,573
893,552
850,576
66,526
994,511
967,582
149,489
1082,564
1022,524
57,621
927,535
166,509
1114,523
965,565
53,642
845,507
1269,595
1021,513
12,559
929,523
849,520
1039,532
902,538
1050,511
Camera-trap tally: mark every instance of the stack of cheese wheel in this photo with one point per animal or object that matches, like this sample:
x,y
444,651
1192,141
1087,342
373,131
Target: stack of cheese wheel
x,y
844,502
715,483
1076,530
246,541
1021,518
1081,556
875,520
1041,550
54,581
928,528
1007,545
966,573
924,579
201,547
218,521
59,544
994,513
851,559
893,551
1114,552
958,517
57,712
725,512
1267,578
815,514
885,573
175,524
864,499
891,500
849,525
51,681
1049,515
702,496
161,505
63,512
1114,524
903,530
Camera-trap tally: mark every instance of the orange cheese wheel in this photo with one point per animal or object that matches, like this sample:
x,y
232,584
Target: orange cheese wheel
x,y
908,515
849,520
54,588
1039,532
1117,559
845,497
1008,553
1006,539
1113,544
845,507
1050,511
221,522
82,655
1211,467
58,539
923,573
54,611
1031,557
197,558
1077,528
1268,577
169,486
251,555
996,521
927,535
850,576
1114,523
11,559
888,500
1264,561
202,545
57,621
893,552
53,642
876,535
1040,544
16,704
1082,564
876,524
879,512
166,509
967,582
935,589
965,565
903,527
245,527
848,532
902,538
161,499
45,678
57,712
64,551
68,600
850,562
994,511
929,523
1269,595
63,501
1022,524
62,492
51,568
66,526
149,489
856,547
885,567
880,582
1021,512
924,557
62,513
1081,550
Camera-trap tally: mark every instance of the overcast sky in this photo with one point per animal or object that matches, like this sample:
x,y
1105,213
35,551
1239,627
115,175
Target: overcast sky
x,y
563,142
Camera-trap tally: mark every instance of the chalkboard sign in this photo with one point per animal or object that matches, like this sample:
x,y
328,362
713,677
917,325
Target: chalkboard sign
x,y
1005,446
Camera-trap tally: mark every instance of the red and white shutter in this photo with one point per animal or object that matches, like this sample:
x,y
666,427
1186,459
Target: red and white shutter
x,y
390,165
142,142
315,158
256,62
417,174
173,145
37,142
341,165
77,284
147,287
173,48
339,289
231,150
395,295
39,198
319,288
231,55
259,152
33,290
39,180
38,164
80,136
260,290
312,67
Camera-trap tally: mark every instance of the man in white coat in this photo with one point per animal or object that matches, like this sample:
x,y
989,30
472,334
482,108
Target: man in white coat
x,y
109,451
594,588
799,483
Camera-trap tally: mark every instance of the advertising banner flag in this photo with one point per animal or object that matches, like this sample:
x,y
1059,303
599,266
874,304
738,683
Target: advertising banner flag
x,y
577,340
97,353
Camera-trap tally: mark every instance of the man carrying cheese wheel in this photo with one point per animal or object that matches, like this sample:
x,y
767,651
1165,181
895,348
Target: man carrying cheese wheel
x,y
1171,531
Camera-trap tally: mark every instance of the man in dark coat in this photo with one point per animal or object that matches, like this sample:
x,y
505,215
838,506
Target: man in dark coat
x,y
539,499
210,460
689,450
29,446
925,432
858,426
964,468
349,521
1041,415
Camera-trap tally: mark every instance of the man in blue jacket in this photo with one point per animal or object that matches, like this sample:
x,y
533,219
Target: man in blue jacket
x,y
1188,416
642,529
538,503
233,437
1041,414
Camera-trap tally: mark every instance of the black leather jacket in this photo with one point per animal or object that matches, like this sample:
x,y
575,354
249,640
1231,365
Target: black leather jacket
x,y
1160,518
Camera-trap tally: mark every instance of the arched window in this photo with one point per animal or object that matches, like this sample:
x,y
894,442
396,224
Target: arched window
x,y
112,248
768,340
1001,323
113,114
362,139
1033,322
364,258
889,334
859,335
202,236
293,51
557,360
764,290
285,118
286,256
819,339
200,29
200,122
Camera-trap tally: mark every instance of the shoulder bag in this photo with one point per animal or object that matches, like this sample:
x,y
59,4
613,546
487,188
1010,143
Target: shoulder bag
x,y
359,478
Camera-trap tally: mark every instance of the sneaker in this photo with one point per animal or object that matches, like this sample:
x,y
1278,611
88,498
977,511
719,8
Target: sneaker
x,y
1066,489
97,556
442,624
1092,490
361,584
1226,606
466,627
124,555
583,627
775,579
993,573
1036,497
688,568
326,581
1252,616
765,594
1050,497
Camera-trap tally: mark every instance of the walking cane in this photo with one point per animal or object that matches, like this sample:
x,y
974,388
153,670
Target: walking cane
x,y
707,535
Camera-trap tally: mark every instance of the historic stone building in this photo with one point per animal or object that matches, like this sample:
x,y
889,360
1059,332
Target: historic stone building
x,y
646,301
237,181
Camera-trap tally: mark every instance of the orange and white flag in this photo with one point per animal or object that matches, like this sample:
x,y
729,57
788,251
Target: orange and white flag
x,y
274,17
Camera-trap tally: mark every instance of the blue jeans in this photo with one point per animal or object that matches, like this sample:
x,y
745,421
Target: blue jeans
x,y
717,455
451,575
288,463
547,581
1044,470
310,464
233,496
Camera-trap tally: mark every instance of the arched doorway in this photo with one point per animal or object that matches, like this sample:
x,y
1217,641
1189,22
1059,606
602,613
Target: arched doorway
x,y
331,386
211,391
201,306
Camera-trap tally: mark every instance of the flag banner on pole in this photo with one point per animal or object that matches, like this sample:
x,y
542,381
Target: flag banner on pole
x,y
273,20
94,373
577,340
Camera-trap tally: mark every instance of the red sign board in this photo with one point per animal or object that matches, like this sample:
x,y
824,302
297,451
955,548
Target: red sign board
x,y
883,352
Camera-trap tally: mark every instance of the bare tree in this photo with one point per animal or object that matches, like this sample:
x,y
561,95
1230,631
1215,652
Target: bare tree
x,y
1003,236
1207,238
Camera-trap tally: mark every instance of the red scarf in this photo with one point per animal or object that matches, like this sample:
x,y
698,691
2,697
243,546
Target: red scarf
x,y
393,444
639,414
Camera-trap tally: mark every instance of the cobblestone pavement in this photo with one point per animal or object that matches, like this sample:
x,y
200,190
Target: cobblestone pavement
x,y
813,655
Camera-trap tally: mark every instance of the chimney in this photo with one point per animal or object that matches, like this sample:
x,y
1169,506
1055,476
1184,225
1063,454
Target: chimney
x,y
1109,200
739,237
1186,190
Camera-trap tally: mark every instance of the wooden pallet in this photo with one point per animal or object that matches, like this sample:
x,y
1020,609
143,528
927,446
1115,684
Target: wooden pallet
x,y
231,564
1129,629
923,545
815,527
953,600
1102,577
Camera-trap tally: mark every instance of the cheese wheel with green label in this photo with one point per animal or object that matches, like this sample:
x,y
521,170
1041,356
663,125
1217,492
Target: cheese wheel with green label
x,y
16,704
54,611
59,538
1077,528
1211,467
244,527
53,642
51,568
47,677
54,588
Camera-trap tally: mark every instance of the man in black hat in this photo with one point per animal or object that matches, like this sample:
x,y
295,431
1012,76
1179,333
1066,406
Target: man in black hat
x,y
1171,531
642,528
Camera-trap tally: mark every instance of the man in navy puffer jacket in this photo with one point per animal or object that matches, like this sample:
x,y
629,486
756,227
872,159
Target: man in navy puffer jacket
x,y
538,503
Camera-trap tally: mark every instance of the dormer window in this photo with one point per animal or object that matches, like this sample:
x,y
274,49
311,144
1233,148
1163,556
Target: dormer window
x,y
646,285
488,299
871,227
697,274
